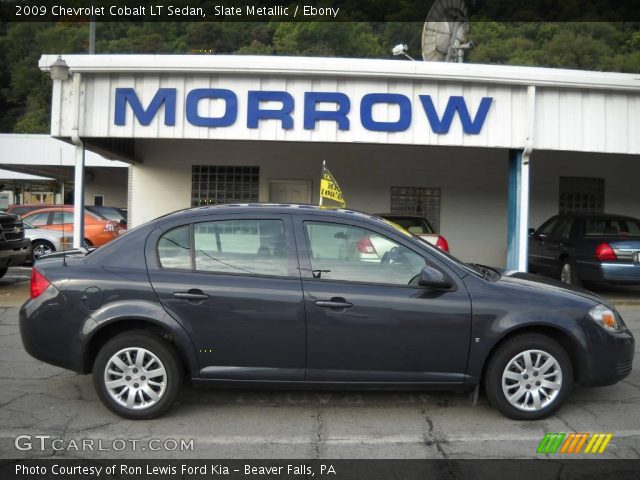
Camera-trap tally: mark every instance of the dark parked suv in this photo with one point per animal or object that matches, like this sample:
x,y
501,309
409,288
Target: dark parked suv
x,y
15,249
265,295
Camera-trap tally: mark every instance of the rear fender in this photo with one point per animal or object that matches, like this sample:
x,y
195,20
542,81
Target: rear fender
x,y
142,311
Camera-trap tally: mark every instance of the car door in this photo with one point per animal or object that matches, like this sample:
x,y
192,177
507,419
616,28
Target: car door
x,y
557,244
233,283
367,320
538,260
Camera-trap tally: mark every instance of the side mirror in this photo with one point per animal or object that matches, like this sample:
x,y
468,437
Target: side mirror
x,y
532,231
434,279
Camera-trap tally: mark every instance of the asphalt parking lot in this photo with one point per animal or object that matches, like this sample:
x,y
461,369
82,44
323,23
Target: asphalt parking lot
x,y
38,399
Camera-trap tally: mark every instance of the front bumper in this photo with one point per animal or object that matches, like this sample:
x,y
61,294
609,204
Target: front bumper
x,y
610,356
14,252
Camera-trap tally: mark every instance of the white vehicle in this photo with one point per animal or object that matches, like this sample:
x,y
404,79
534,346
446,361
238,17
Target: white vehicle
x,y
418,226
44,241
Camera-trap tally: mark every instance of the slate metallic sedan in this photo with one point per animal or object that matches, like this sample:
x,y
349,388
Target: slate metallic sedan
x,y
597,248
264,295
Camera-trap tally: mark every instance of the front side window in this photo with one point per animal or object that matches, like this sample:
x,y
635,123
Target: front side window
x,y
547,229
174,248
348,253
241,246
38,219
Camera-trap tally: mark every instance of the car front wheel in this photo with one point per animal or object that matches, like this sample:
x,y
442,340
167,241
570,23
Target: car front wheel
x,y
40,248
568,274
137,375
529,377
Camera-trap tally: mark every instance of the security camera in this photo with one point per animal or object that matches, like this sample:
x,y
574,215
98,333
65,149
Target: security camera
x,y
400,49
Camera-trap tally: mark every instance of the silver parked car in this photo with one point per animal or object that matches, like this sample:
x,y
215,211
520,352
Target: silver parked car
x,y
44,241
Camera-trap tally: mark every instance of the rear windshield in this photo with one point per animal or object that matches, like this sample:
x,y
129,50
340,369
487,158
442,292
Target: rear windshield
x,y
620,227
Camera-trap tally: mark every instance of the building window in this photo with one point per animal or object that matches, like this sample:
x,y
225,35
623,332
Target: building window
x,y
214,184
581,195
423,201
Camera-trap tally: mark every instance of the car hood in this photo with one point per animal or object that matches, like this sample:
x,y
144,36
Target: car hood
x,y
547,284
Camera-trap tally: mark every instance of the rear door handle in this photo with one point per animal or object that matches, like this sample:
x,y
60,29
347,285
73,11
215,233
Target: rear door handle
x,y
334,303
193,295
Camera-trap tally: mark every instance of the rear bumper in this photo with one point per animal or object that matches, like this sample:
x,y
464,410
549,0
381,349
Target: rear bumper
x,y
48,329
609,272
15,253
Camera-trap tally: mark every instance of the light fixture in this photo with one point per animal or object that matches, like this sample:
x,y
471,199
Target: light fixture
x,y
59,69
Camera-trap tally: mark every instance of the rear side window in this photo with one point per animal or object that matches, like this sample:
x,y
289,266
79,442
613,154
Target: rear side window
x,y
62,217
612,226
174,248
241,246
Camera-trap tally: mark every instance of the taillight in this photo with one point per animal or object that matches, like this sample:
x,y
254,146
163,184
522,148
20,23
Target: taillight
x,y
604,253
110,227
38,283
365,246
442,244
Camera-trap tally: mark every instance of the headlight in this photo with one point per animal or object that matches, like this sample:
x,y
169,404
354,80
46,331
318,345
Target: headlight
x,y
605,317
66,240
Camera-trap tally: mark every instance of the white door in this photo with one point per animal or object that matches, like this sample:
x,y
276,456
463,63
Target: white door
x,y
290,191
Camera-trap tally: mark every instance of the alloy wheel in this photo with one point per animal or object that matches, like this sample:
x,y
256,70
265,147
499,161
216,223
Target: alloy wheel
x,y
566,274
135,378
41,249
532,380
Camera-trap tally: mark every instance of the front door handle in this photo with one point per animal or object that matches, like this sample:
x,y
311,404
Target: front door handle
x,y
334,303
193,295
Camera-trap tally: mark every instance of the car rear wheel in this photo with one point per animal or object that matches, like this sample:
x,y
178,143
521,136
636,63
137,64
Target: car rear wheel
x,y
529,377
568,274
137,375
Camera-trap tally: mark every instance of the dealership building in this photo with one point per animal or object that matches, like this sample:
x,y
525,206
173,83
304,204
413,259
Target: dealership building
x,y
483,151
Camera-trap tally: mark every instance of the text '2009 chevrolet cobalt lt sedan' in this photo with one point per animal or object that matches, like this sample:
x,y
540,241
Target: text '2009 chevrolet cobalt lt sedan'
x,y
279,295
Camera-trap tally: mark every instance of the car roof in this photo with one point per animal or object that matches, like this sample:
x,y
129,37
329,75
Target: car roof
x,y
277,208
598,215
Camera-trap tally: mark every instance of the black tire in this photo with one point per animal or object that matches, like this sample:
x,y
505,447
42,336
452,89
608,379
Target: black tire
x,y
568,273
156,346
502,357
3,271
40,243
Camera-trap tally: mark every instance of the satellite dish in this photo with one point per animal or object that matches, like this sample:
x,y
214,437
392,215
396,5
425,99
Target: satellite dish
x,y
446,31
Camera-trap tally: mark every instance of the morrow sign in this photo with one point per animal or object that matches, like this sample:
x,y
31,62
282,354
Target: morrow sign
x,y
315,109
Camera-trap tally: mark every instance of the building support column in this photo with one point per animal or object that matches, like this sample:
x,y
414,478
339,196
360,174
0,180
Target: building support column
x,y
78,174
518,213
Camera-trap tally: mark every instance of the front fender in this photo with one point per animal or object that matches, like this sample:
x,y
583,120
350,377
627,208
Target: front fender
x,y
141,311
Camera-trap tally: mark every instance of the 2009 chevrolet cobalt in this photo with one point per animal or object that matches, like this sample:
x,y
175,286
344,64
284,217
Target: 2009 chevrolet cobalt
x,y
280,295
